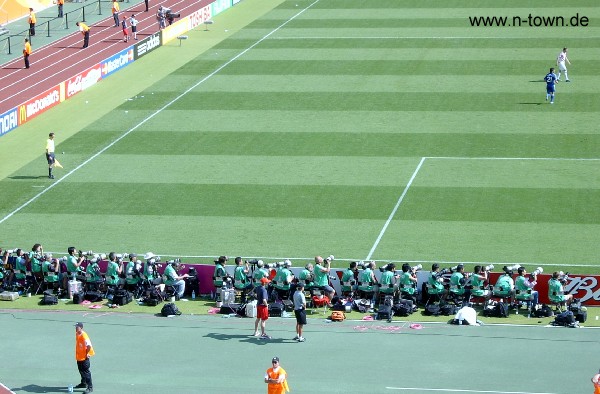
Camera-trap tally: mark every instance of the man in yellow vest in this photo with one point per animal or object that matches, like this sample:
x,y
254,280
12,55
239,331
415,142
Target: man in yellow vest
x,y
115,12
60,4
85,30
83,352
26,52
31,21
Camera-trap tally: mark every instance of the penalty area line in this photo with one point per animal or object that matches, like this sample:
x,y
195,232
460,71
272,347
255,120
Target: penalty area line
x,y
389,220
462,390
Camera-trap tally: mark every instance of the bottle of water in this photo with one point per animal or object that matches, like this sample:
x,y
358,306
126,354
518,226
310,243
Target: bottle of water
x,y
70,388
193,294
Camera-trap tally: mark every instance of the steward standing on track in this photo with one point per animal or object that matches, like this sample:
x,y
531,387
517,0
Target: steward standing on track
x,y
26,52
596,383
31,21
83,352
276,378
85,30
115,12
60,8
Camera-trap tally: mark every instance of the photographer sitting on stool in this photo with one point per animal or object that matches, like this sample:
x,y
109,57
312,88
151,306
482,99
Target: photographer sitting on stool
x,y
240,278
478,280
408,282
458,292
173,279
322,269
367,283
73,265
556,290
132,273
524,288
282,280
387,282
307,277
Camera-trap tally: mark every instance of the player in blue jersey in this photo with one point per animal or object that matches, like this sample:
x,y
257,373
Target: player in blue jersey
x,y
551,80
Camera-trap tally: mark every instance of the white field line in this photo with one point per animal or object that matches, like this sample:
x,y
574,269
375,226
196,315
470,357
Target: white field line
x,y
388,221
462,390
399,38
512,158
155,113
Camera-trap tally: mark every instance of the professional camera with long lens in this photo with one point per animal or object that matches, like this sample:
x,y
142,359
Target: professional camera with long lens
x,y
535,273
563,277
488,267
361,264
416,268
509,269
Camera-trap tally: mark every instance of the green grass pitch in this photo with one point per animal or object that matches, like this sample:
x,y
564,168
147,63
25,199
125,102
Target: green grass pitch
x,y
302,132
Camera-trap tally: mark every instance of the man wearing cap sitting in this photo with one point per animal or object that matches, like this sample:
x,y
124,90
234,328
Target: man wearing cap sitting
x,y
172,278
241,281
132,272
262,309
220,275
83,352
275,378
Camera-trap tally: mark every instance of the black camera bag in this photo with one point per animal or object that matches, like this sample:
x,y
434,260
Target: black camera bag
x,y
49,299
288,305
384,313
565,318
432,310
501,310
275,309
230,309
78,297
403,308
93,296
122,297
170,309
448,309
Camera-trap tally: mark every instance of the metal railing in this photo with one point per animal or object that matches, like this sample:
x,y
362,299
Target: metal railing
x,y
8,44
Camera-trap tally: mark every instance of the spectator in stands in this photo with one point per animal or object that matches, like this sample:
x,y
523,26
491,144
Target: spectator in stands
x,y
85,30
478,283
435,282
299,311
322,270
132,272
367,281
408,283
26,52
113,270
241,281
73,265
172,278
556,290
31,20
259,273
457,285
60,4
349,278
307,276
51,269
220,275
262,309
115,12
388,281
283,280
524,288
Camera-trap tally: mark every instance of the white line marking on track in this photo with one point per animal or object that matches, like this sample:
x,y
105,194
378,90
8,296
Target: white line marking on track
x,y
6,388
388,221
158,111
462,390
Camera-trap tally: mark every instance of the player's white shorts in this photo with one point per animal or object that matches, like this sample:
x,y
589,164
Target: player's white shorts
x,y
562,67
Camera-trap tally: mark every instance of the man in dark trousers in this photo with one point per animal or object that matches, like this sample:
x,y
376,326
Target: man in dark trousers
x,y
26,52
85,30
32,20
83,352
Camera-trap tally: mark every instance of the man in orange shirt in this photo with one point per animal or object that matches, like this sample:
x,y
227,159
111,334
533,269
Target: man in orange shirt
x,y
31,21
85,30
83,352
276,378
26,52
596,383
115,11
60,4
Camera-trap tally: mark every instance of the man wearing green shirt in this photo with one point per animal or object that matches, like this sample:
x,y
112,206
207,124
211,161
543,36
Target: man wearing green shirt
x,y
241,281
349,279
92,274
35,258
457,285
322,270
132,273
524,288
367,281
307,277
172,278
259,273
387,282
556,291
73,265
220,274
113,270
505,285
51,269
283,280
435,283
408,283
478,283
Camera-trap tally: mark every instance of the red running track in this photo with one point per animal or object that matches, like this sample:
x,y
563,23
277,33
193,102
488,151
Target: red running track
x,y
64,58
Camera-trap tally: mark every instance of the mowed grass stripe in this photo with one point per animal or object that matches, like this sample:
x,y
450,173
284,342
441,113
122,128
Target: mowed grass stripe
x,y
497,204
501,242
397,41
355,144
376,101
504,68
539,174
244,170
380,83
403,54
361,122
249,200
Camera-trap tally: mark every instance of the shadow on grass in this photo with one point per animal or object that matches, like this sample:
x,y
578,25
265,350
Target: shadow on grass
x,y
21,177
